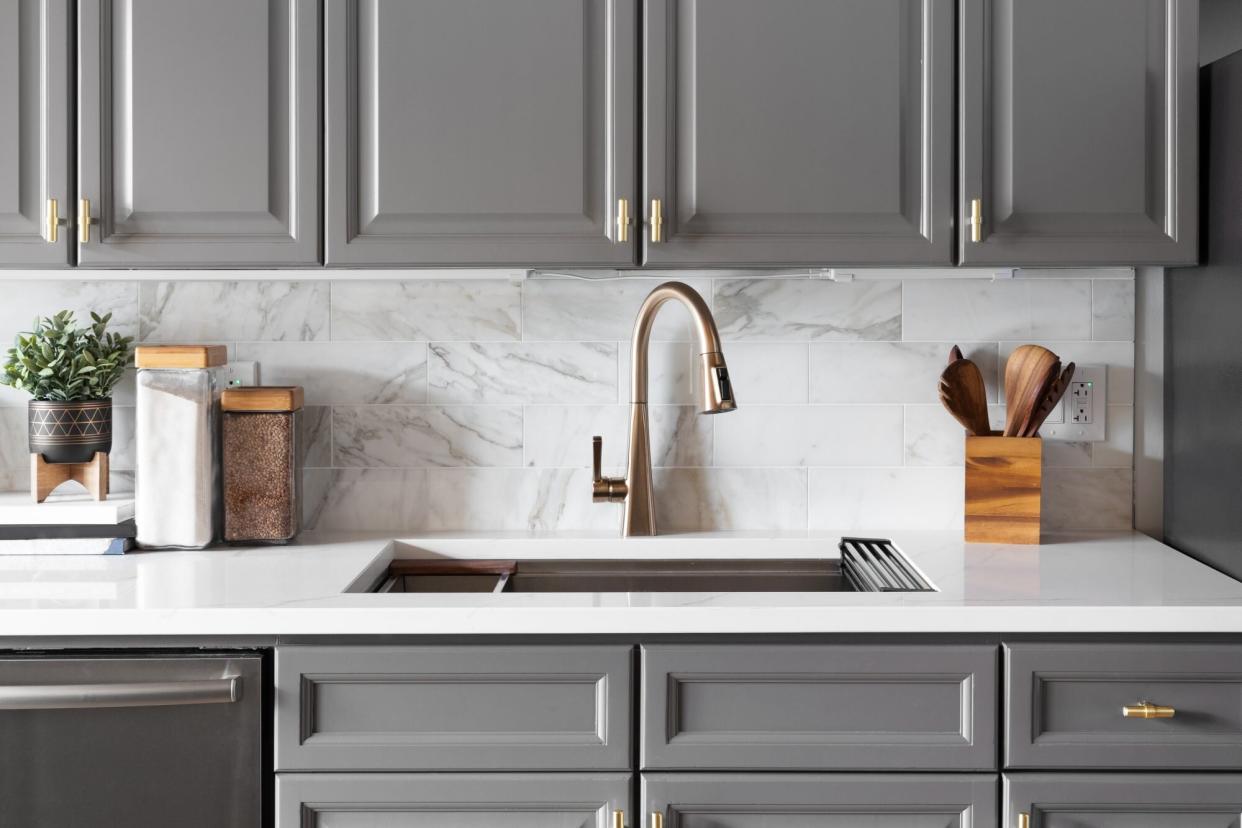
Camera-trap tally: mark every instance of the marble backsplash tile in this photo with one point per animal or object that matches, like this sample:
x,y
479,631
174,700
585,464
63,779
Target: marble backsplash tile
x,y
455,404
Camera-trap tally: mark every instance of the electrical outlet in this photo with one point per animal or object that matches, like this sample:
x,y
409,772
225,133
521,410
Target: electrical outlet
x,y
1080,416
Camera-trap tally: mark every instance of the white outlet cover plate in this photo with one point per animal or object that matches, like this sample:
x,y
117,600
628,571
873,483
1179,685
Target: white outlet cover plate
x,y
1057,427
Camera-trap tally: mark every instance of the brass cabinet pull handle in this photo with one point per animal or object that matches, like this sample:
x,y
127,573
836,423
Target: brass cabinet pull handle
x,y
1024,821
84,220
54,221
1147,710
976,220
657,221
657,819
618,819
623,220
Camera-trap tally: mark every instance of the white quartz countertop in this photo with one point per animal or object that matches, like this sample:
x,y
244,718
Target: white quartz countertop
x,y
1099,582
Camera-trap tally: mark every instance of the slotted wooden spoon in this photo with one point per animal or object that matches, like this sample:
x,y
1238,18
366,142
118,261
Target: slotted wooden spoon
x,y
962,392
1055,392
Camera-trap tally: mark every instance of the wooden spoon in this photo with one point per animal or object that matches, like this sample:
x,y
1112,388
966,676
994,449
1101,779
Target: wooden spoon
x,y
1029,372
955,354
1055,392
963,394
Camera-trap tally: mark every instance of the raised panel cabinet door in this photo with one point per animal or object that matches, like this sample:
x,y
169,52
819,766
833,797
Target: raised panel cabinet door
x,y
1078,133
820,800
1128,800
198,132
497,800
480,132
34,123
798,133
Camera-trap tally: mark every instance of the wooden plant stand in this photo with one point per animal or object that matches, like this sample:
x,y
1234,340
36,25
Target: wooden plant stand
x,y
45,476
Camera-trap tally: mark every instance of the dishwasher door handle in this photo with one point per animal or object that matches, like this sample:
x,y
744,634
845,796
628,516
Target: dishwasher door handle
x,y
122,694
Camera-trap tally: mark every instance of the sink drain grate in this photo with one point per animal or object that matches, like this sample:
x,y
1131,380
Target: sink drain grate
x,y
875,565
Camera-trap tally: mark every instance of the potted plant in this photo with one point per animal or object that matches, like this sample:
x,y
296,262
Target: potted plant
x,y
69,373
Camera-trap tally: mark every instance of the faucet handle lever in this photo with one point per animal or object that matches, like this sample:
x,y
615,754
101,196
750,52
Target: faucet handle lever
x,y
604,489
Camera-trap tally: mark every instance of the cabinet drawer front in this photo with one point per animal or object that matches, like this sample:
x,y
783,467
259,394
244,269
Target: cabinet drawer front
x,y
502,800
453,708
821,800
1132,800
1065,706
819,707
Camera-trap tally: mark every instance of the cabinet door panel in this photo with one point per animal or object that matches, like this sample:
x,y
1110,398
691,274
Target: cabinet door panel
x,y
479,131
788,132
501,800
1078,133
1133,800
199,131
821,800
34,115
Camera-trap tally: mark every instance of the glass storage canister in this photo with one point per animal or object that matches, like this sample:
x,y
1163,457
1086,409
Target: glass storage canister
x,y
178,465
261,433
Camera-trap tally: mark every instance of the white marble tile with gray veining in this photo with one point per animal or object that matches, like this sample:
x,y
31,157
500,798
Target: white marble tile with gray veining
x,y
1112,309
317,436
1118,357
753,499
933,437
1062,454
419,436
1088,499
530,372
769,372
977,309
1117,450
808,309
890,372
669,371
272,311
14,440
571,309
123,438
530,499
816,435
862,500
344,372
26,299
481,310
366,500
560,435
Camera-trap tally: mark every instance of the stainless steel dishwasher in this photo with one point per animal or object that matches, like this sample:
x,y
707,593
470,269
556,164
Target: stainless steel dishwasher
x,y
131,739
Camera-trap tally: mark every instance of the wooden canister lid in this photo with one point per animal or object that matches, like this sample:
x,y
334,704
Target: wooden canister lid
x,y
262,398
180,356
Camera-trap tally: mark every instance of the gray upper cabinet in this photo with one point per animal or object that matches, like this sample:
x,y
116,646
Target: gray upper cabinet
x,y
480,132
821,800
796,133
1078,131
198,132
34,144
1133,800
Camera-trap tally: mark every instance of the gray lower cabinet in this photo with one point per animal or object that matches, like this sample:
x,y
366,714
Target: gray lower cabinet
x,y
34,139
796,133
1134,800
198,132
480,132
819,707
1078,131
358,708
1080,706
388,800
821,800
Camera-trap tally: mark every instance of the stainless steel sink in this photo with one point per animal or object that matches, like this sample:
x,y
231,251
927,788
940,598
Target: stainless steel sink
x,y
864,566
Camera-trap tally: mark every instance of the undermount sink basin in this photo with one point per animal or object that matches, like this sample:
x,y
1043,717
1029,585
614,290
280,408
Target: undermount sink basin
x,y
864,565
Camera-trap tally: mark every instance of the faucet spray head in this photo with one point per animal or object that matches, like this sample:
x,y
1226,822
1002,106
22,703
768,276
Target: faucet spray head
x,y
713,392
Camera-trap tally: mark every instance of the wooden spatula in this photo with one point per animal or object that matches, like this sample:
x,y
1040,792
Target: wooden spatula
x,y
963,394
1055,392
1031,369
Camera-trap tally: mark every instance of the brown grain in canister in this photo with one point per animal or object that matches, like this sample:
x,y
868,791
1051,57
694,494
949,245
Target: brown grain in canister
x,y
261,475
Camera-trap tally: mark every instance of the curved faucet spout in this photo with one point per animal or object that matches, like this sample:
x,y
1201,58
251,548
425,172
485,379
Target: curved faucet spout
x,y
713,392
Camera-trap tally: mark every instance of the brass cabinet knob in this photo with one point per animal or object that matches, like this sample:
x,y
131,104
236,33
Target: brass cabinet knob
x,y
54,221
623,220
1147,710
1024,821
604,489
657,221
976,220
84,220
657,819
618,819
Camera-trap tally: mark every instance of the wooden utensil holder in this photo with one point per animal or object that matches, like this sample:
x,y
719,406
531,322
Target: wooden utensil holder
x,y
1003,487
